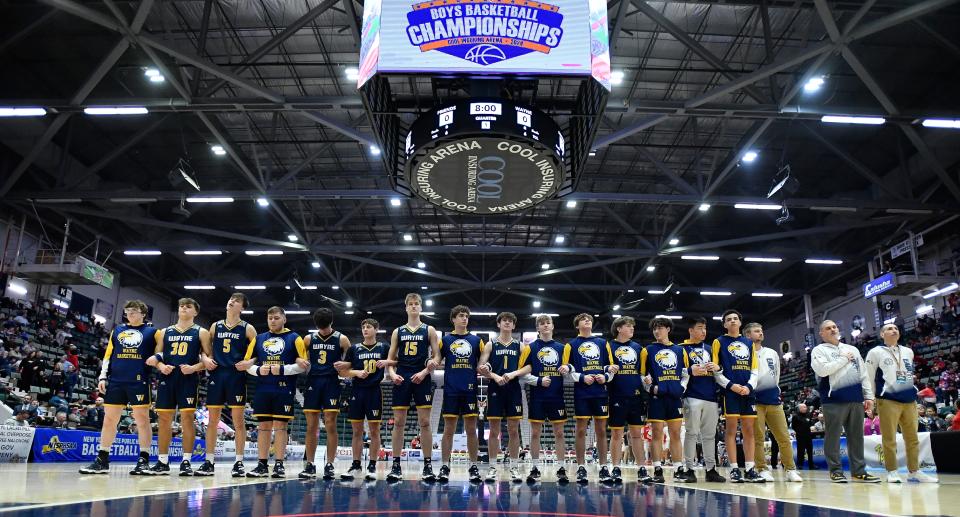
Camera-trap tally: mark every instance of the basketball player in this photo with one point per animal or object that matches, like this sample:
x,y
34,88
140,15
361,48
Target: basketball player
x,y
546,396
325,347
278,355
700,410
227,384
365,362
414,354
504,362
588,362
769,407
737,379
460,351
178,361
124,380
664,367
890,371
628,399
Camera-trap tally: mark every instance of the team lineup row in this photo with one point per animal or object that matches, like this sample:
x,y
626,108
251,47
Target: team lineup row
x,y
616,385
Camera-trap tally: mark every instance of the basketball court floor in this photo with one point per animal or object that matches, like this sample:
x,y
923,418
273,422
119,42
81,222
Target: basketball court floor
x,y
57,489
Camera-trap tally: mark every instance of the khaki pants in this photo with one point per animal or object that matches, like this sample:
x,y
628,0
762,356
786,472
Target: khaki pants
x,y
891,414
772,416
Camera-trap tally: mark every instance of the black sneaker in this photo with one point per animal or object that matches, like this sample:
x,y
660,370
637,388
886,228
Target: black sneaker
x,y
185,468
309,471
142,468
160,469
205,470
562,476
679,476
643,476
865,478
617,476
534,475
657,475
97,467
690,475
371,472
752,476
328,472
427,474
582,475
736,476
444,474
605,476
238,470
355,470
713,476
837,477
395,473
278,471
473,472
262,470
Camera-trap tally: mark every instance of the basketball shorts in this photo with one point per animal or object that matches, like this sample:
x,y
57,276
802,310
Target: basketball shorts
x,y
322,394
177,391
421,395
460,404
743,406
625,411
227,389
505,402
137,394
590,408
541,410
665,409
273,404
365,404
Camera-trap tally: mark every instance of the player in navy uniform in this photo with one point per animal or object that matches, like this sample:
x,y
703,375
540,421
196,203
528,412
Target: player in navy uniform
x,y
588,362
628,398
227,380
546,396
415,349
664,367
325,348
277,357
124,380
504,362
460,351
178,361
365,363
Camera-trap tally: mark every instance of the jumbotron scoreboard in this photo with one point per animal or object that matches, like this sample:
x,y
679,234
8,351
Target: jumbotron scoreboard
x,y
475,152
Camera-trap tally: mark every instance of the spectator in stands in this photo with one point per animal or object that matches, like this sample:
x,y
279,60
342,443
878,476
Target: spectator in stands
x,y
20,419
948,384
59,402
871,423
61,422
21,319
934,422
70,376
803,427
927,395
94,415
30,371
818,426
5,365
922,421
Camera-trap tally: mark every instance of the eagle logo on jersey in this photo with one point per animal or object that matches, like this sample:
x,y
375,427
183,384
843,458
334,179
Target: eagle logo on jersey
x,y
738,350
589,350
666,359
626,355
461,348
548,357
130,338
274,345
699,356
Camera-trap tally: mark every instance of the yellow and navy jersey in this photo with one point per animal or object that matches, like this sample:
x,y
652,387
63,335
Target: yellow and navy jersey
x,y
628,382
280,348
508,357
229,344
736,358
666,365
545,359
323,352
588,356
181,346
128,349
364,357
702,386
413,349
461,355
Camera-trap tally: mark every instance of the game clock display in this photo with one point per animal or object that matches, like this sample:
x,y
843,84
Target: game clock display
x,y
485,156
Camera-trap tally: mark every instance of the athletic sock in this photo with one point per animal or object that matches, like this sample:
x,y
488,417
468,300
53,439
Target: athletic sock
x,y
103,455
748,464
262,462
163,458
145,455
211,458
656,464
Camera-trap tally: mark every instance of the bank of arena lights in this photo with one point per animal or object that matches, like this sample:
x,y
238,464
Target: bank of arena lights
x,y
315,264
22,112
939,292
203,252
545,266
767,295
674,241
250,287
704,207
670,316
757,206
571,204
750,156
292,237
395,201
845,119
116,110
210,199
656,291
772,260
153,75
821,261
715,293
263,202
942,123
199,287
699,257
814,84
260,253
142,253
651,269
421,265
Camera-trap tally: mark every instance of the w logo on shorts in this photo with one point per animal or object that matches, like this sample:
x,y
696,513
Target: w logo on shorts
x,y
139,398
471,406
287,408
189,400
603,408
519,409
375,412
239,398
333,402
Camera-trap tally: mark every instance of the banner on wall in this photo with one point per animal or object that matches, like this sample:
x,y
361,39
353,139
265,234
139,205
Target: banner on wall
x,y
57,445
15,442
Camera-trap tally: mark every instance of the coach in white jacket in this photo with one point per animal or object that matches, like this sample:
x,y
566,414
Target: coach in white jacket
x,y
845,392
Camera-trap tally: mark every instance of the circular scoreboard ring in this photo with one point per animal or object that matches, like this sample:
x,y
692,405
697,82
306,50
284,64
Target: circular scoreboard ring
x,y
481,156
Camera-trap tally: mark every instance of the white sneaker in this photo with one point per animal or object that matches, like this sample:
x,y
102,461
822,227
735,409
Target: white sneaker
x,y
893,477
767,475
491,474
515,475
920,477
794,477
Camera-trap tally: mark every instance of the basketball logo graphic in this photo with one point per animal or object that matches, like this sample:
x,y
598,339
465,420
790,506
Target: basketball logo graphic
x,y
485,54
548,357
274,345
589,350
666,359
461,348
739,351
130,338
626,355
